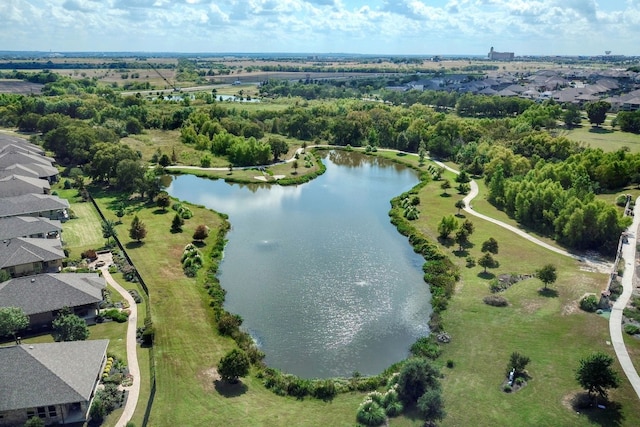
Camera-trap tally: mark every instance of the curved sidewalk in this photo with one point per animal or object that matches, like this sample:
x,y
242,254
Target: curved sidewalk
x,y
615,321
132,350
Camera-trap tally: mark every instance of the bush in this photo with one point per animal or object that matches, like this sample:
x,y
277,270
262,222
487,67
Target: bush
x,y
89,253
507,388
471,262
371,414
631,329
116,315
621,200
325,390
426,347
589,303
495,300
450,364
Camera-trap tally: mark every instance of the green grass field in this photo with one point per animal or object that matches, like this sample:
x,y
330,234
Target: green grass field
x,y
81,233
605,137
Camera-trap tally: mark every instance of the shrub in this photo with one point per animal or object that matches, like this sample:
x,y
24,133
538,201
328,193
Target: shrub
x,y
371,414
589,303
631,329
621,200
495,300
426,347
325,390
471,262
519,381
116,315
507,388
450,364
89,253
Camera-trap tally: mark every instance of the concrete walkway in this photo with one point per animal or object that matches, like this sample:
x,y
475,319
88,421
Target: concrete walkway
x,y
132,350
615,321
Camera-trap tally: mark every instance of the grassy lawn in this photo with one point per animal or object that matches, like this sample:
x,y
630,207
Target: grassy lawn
x,y
551,330
83,232
604,137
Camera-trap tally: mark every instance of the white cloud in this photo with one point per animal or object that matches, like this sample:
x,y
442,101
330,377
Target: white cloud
x,y
359,26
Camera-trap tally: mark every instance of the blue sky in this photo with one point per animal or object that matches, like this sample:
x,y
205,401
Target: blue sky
x,y
422,27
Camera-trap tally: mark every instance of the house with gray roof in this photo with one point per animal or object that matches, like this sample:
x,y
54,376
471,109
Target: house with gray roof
x,y
42,296
53,381
7,140
44,205
19,169
24,256
18,185
40,164
29,226
25,148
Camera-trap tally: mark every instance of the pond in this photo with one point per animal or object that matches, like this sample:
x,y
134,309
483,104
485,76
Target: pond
x,y
324,282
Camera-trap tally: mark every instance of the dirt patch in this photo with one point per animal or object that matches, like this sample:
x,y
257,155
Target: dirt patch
x,y
208,378
531,306
570,308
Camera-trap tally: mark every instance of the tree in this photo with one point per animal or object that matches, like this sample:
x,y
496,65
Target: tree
x,y
138,230
462,238
128,174
518,362
201,233
597,112
594,373
163,200
12,320
463,177
487,261
468,227
234,365
69,327
571,116
177,223
109,230
164,161
490,245
278,146
416,377
448,224
445,186
547,274
460,205
431,405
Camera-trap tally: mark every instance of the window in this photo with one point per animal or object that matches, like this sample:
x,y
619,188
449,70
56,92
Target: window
x,y
42,413
52,412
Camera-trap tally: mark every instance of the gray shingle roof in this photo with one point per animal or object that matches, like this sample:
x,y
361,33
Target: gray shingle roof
x,y
14,157
20,170
42,170
25,148
25,226
44,293
21,251
49,374
31,204
7,140
18,185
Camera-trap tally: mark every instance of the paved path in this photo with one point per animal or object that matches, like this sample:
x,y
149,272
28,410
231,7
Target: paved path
x,y
615,321
132,350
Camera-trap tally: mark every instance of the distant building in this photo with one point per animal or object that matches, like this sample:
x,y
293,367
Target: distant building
x,y
500,56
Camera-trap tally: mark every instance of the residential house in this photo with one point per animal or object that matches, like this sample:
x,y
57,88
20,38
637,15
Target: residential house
x,y
24,256
24,147
44,205
53,381
37,163
29,226
19,169
42,296
11,140
18,185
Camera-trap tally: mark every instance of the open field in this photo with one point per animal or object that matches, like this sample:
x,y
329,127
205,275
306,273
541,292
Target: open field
x,y
605,137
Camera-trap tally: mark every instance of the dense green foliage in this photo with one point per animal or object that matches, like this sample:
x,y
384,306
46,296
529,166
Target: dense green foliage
x,y
595,374
629,121
69,327
12,321
234,365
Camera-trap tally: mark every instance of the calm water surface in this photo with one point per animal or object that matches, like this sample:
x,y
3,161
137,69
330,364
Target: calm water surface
x,y
324,282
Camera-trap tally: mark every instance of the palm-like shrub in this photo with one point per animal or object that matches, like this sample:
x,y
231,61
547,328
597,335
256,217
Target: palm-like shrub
x,y
371,414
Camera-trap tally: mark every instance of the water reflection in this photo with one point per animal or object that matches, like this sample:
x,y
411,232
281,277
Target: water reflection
x,y
324,282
